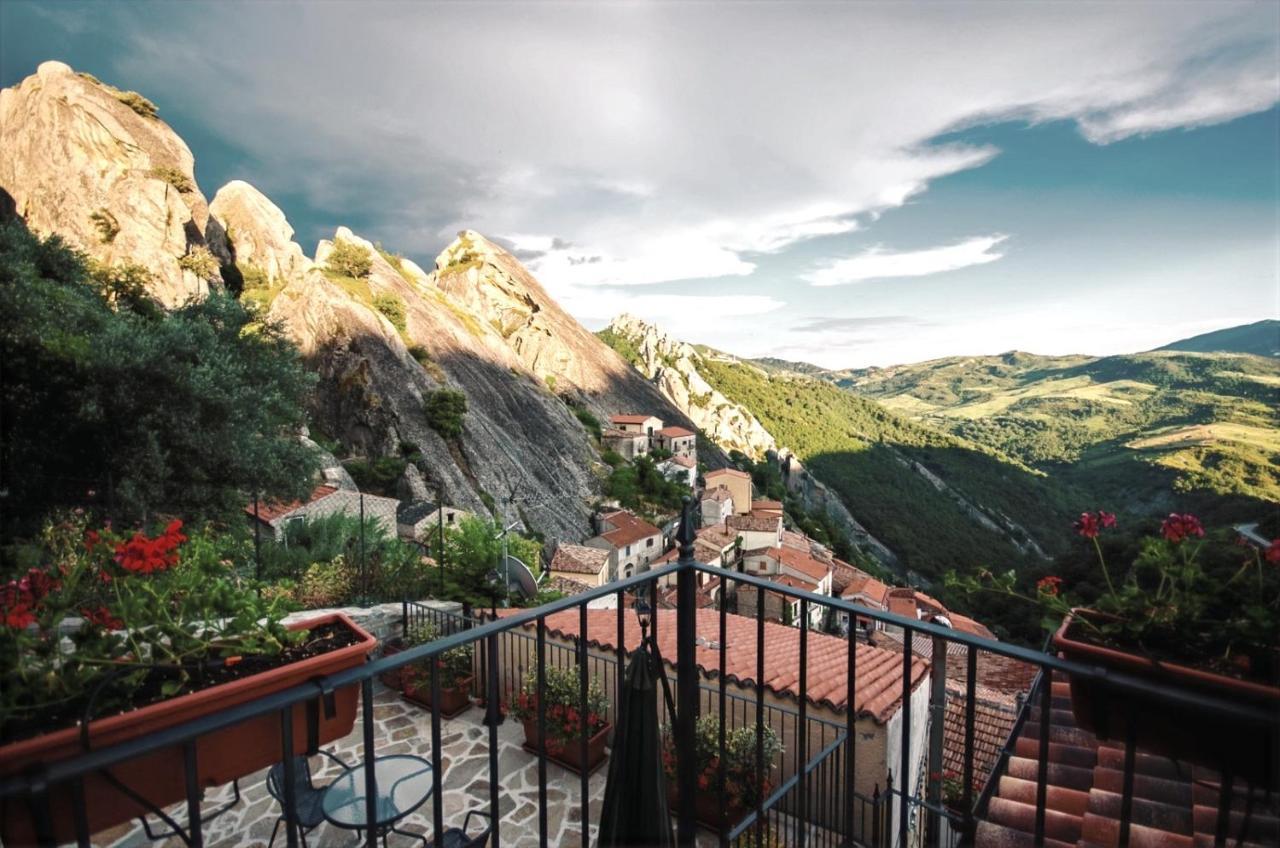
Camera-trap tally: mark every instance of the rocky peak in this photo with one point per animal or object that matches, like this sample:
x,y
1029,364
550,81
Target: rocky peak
x,y
97,166
672,366
259,237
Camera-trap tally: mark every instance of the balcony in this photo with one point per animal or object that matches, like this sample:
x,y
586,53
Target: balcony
x,y
864,736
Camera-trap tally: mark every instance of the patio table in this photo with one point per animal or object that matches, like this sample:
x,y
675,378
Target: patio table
x,y
404,784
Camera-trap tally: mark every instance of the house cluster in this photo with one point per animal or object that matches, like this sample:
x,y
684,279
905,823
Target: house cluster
x,y
411,520
631,436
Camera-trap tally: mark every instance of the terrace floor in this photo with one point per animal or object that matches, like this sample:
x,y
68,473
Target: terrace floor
x,y
404,728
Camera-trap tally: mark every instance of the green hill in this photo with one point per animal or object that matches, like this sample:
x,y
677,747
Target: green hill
x,y
1261,338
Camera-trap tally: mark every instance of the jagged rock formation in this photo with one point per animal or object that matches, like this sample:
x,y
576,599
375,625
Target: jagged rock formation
x,y
672,366
259,237
95,165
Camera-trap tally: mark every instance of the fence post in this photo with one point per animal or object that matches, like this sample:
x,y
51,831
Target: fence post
x,y
686,680
937,719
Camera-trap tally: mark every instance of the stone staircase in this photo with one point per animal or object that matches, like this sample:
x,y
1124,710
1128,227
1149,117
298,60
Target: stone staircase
x,y
1175,805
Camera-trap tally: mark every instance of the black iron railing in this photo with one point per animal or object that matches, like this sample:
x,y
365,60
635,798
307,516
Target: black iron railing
x,y
833,782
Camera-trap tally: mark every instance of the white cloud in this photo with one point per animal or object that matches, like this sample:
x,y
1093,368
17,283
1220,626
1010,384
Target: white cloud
x,y
877,263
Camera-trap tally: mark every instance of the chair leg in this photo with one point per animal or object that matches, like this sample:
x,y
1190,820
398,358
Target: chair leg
x,y
274,829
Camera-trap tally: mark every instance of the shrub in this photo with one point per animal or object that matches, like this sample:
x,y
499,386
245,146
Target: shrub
x,y
378,475
106,224
392,308
455,665
175,178
445,409
590,422
551,382
612,458
563,694
254,277
327,584
349,259
137,103
201,262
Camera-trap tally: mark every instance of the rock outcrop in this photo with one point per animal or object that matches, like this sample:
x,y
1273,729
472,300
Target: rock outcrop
x,y
672,366
96,166
258,235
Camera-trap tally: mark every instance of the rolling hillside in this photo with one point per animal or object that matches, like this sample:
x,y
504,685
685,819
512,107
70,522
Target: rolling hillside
x,y
1261,338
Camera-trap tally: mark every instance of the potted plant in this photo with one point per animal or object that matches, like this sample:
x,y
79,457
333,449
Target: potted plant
x,y
744,784
119,636
1194,611
562,696
453,674
394,678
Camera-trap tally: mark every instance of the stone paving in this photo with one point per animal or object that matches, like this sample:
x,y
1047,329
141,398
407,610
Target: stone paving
x,y
403,728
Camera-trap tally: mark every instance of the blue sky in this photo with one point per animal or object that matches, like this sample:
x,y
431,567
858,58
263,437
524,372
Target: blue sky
x,y
850,185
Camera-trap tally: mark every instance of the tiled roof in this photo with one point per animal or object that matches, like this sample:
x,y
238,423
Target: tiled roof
x,y
719,494
1174,804
999,676
756,523
579,559
727,472
993,721
763,504
630,419
877,688
800,561
867,586
566,585
628,528
683,461
269,512
674,432
414,511
717,535
795,582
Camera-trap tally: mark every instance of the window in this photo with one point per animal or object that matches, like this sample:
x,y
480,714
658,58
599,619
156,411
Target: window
x,y
627,552
649,543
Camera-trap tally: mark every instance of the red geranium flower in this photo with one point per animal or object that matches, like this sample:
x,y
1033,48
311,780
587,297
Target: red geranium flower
x,y
141,555
17,604
1273,551
1087,525
1177,527
1049,585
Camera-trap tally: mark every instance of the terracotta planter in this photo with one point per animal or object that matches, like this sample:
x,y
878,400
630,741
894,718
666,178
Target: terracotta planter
x,y
392,679
453,700
1163,727
569,755
221,756
708,806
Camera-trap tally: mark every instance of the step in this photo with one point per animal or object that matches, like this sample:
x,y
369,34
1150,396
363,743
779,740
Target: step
x,y
992,835
1070,801
1067,755
1065,734
1060,826
1105,831
1153,814
1071,777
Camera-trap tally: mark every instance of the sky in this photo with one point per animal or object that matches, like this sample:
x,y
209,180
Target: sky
x,y
846,184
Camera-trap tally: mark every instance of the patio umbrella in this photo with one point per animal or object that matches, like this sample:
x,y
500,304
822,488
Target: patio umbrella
x,y
635,796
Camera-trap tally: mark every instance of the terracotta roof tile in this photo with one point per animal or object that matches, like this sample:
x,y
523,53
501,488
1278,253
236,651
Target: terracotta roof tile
x,y
727,472
628,528
631,419
269,512
758,523
674,432
763,504
683,461
878,686
566,585
579,558
717,535
993,721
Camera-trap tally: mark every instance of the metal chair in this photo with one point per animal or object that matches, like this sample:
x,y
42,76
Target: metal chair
x,y
308,809
456,837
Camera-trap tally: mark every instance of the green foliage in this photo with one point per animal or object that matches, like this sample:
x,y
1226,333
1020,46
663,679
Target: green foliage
x,y
200,261
489,503
589,421
392,307
561,692
422,356
744,783
377,475
456,666
349,259
254,277
327,584
181,410
445,409
106,225
175,178
641,487
551,382
473,548
137,103
622,345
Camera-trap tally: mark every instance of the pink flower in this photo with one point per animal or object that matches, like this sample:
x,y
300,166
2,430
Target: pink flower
x,y
1177,527
1273,551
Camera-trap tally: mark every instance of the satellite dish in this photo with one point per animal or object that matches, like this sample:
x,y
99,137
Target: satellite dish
x,y
519,577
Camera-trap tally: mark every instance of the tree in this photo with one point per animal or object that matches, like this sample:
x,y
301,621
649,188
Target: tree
x,y
445,409
350,259
474,548
112,402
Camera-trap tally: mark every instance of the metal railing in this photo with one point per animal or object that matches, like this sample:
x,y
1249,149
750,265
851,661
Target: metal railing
x,y
821,798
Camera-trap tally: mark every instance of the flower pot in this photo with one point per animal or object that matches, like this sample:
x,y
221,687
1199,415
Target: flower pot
x,y
392,679
453,699
1164,727
221,756
708,806
568,755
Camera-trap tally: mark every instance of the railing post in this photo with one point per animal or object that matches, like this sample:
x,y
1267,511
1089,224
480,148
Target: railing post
x,y
937,719
686,680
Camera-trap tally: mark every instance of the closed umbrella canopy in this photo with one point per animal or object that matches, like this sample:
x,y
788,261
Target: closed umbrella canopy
x,y
635,797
